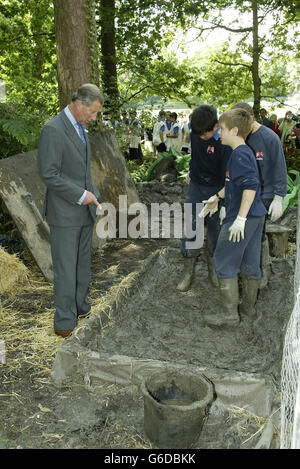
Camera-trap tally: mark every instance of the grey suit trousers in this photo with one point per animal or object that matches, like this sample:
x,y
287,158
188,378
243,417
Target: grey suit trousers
x,y
71,257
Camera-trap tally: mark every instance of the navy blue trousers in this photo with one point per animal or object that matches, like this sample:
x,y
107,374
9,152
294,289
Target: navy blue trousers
x,y
244,256
196,193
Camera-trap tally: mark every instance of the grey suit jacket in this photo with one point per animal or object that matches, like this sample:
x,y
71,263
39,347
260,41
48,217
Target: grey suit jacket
x,y
64,166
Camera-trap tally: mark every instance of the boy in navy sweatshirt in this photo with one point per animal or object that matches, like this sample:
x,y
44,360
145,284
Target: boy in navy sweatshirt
x,y
270,158
239,243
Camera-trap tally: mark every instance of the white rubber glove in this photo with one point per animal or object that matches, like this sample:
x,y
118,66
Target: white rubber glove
x,y
207,210
222,214
276,209
237,229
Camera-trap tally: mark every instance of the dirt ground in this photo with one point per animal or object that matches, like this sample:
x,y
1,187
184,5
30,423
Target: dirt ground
x,y
36,414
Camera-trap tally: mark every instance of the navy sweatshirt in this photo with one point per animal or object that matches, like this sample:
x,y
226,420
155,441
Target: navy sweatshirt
x,y
208,161
269,154
241,174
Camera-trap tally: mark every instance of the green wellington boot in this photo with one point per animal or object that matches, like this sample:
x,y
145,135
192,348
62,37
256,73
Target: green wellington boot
x,y
229,296
212,276
188,272
249,296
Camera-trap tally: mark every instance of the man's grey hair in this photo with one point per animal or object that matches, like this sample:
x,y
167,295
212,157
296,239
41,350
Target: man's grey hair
x,y
87,94
244,106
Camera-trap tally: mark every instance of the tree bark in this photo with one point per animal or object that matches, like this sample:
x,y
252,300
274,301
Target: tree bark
x,y
77,57
255,61
108,54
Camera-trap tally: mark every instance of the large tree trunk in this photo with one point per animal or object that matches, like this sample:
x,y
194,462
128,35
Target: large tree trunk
x,y
255,61
77,58
108,54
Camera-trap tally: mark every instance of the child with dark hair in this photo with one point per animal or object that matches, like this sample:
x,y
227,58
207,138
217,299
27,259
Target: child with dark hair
x,y
239,243
204,119
173,136
206,177
158,139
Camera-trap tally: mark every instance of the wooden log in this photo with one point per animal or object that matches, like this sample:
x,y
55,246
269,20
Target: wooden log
x,y
23,194
278,236
109,170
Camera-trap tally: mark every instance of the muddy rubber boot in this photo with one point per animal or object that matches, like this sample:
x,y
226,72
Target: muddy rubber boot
x,y
212,276
188,272
229,296
265,264
249,296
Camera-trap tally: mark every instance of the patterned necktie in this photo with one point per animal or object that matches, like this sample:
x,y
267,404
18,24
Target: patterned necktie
x,y
81,133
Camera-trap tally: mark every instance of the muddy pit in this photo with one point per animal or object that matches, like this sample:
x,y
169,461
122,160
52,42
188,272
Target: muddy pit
x,y
151,325
158,322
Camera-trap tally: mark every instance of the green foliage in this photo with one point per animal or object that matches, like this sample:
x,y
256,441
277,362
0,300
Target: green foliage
x,y
145,65
225,85
291,199
28,68
231,76
20,129
139,171
182,163
148,175
141,29
28,55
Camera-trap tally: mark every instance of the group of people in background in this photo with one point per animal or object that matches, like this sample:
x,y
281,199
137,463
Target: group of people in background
x,y
287,128
165,133
130,131
168,131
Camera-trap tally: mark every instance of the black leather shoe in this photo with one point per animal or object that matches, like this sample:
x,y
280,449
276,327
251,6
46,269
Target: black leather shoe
x,y
64,333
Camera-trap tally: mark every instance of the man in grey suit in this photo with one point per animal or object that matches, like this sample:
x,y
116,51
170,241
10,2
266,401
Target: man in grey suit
x,y
70,203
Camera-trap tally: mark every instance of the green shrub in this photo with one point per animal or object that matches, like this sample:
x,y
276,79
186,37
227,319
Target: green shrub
x,y
19,129
182,163
139,171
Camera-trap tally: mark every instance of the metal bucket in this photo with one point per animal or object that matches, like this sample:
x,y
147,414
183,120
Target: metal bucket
x,y
175,407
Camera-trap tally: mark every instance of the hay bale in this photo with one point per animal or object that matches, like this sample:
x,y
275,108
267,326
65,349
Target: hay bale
x,y
13,273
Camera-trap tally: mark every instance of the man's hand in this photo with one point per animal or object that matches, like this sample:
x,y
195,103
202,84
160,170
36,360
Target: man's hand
x,y
90,198
237,229
210,206
276,209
